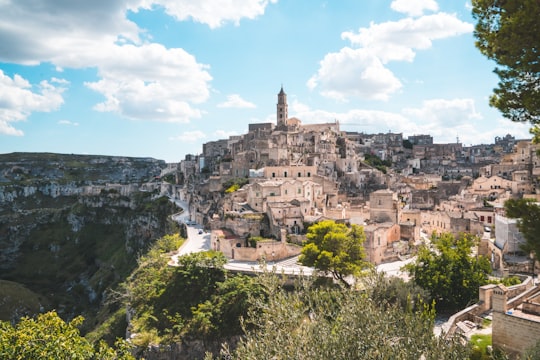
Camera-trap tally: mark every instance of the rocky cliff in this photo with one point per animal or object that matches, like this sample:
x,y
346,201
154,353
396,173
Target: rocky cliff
x,y
72,226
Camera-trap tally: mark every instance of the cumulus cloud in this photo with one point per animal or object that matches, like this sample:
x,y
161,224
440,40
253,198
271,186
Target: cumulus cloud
x,y
414,7
19,99
138,79
236,101
361,71
354,72
442,112
398,40
151,82
214,13
189,136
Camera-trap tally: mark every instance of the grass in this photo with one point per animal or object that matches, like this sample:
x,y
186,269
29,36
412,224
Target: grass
x,y
17,297
479,343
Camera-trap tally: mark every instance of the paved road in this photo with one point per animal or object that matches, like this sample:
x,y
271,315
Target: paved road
x,y
195,242
288,266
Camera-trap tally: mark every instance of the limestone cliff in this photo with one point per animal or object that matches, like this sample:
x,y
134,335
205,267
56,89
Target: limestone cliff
x,y
72,226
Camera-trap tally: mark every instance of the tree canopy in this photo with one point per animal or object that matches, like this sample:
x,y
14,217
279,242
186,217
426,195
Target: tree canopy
x,y
528,214
449,271
335,248
508,32
339,323
49,337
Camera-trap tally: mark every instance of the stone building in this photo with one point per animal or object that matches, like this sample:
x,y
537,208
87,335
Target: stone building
x,y
516,321
383,206
379,242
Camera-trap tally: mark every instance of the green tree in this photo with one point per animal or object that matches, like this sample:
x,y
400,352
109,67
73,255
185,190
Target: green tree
x,y
508,32
338,323
528,214
449,271
49,337
334,248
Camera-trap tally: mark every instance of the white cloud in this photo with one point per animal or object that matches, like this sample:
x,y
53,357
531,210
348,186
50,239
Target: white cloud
x,y
354,72
236,101
68,123
438,113
414,7
214,13
138,79
362,72
398,40
189,136
18,100
445,120
151,82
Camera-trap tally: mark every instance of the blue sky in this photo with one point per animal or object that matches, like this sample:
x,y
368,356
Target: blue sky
x,y
159,78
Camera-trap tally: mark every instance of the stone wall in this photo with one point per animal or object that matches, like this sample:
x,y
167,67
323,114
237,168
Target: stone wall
x,y
514,334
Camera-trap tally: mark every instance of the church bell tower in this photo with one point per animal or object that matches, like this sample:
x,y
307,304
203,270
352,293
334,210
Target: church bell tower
x,y
282,109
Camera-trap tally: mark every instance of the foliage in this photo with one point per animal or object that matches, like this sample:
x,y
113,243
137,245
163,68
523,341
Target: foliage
x,y
506,281
532,353
253,240
479,345
528,214
449,272
170,178
337,323
234,184
232,188
394,291
49,337
196,299
508,32
221,314
407,144
377,162
334,248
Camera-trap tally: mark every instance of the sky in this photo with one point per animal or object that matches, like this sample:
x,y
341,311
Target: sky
x,y
158,78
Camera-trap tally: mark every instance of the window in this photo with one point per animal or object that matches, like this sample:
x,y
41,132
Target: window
x,y
308,174
299,190
489,220
285,192
273,175
482,218
285,174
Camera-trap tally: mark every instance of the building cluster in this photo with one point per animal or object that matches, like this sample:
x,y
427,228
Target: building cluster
x,y
290,175
399,189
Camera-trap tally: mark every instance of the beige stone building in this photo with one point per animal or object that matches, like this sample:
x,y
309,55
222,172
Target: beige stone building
x,y
516,321
383,206
379,242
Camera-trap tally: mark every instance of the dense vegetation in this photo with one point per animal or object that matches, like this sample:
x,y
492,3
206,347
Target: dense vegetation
x,y
197,299
314,322
71,251
377,162
449,271
49,337
508,32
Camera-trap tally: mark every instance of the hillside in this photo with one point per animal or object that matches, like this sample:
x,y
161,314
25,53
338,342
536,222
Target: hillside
x,y
73,226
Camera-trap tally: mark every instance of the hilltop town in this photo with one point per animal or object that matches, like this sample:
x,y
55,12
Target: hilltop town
x,y
258,192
